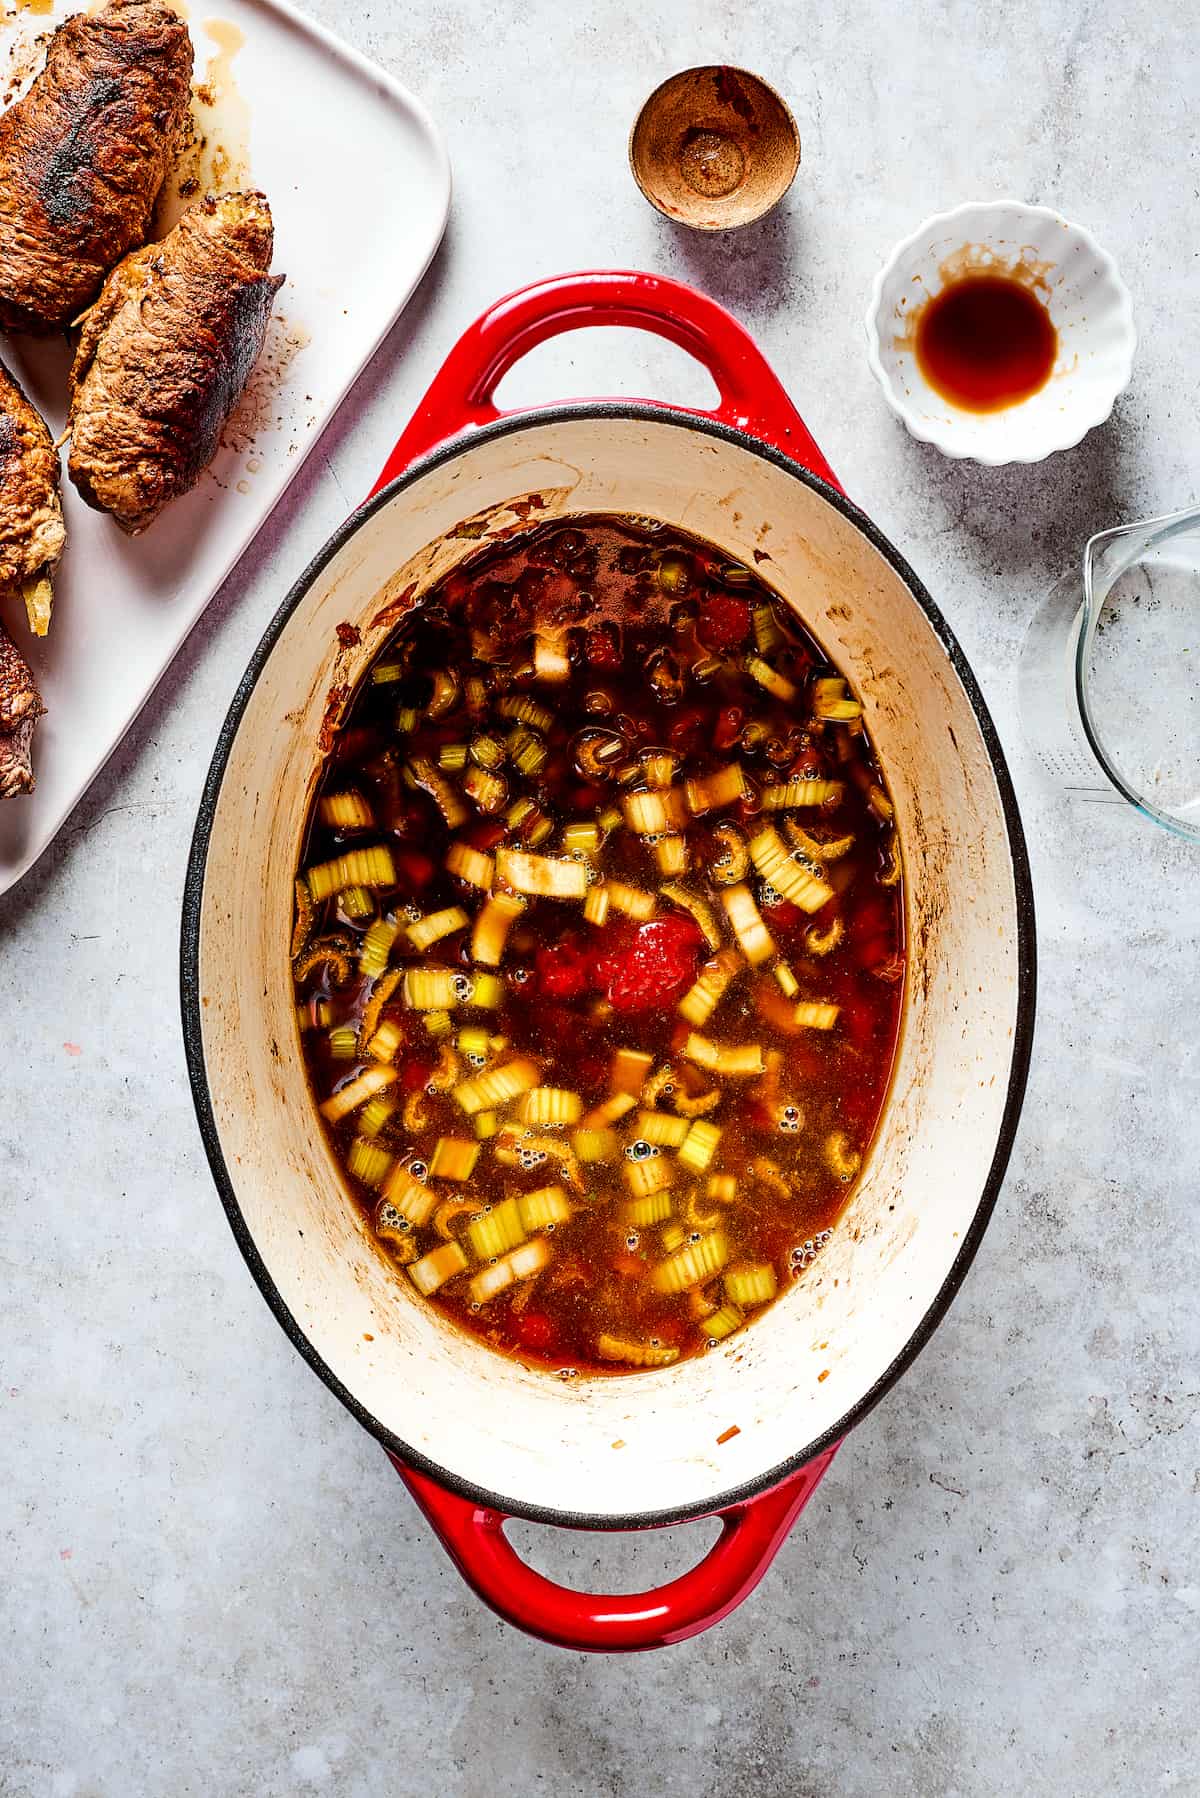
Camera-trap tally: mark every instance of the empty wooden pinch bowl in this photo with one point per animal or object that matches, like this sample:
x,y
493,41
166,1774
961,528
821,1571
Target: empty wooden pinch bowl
x,y
714,148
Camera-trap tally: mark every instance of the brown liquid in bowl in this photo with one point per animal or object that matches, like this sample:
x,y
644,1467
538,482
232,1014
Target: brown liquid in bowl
x,y
985,342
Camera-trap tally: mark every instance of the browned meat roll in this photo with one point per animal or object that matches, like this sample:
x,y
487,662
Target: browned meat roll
x,y
20,708
31,521
164,355
84,154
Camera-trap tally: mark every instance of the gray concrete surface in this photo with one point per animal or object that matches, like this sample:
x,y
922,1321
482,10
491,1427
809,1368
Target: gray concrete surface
x,y
210,1580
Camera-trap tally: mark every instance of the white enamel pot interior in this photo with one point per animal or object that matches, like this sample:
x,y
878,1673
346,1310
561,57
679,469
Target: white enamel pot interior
x,y
650,1447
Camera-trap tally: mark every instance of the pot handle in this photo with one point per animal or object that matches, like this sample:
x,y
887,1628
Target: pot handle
x,y
460,397
751,1534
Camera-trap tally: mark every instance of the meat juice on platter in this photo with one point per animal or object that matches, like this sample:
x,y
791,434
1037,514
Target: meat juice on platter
x,y
598,946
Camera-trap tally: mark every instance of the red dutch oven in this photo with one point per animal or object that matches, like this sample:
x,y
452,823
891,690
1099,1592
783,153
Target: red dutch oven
x,y
746,1432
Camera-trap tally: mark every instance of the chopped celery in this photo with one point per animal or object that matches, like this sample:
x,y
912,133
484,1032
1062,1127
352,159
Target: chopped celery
x,y
750,1283
433,989
355,902
707,793
542,876
494,1087
801,792
813,1016
346,811
385,1041
596,1145
452,757
633,1352
692,1264
661,1129
488,790
645,1177
581,837
609,1111
453,1159
377,946
671,854
767,634
754,939
773,860
629,1070
412,1199
526,751
356,1092
775,683
700,1145
492,925
433,1270
831,702
521,1263
702,998
470,865
741,1061
368,1161
496,1230
631,901
542,1209
343,1043
722,1323
789,986
427,931
595,906
375,1114
550,1105
650,1208
525,711
372,867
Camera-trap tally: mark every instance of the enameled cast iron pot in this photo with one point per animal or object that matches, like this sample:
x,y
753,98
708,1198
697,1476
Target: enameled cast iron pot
x,y
745,1432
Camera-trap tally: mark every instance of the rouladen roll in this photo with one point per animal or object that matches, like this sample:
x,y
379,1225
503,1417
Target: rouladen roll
x,y
20,708
84,154
164,355
31,521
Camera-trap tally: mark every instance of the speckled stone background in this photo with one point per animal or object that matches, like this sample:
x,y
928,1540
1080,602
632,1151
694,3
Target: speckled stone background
x,y
211,1582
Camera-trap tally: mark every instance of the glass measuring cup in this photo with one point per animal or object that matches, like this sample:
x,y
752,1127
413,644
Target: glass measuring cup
x,y
1109,678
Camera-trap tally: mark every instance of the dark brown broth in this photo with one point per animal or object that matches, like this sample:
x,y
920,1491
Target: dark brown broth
x,y
597,581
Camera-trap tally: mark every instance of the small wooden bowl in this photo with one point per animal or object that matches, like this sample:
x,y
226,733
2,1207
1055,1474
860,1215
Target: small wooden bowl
x,y
714,147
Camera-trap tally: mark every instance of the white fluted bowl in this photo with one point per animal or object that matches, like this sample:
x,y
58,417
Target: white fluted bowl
x,y
1089,306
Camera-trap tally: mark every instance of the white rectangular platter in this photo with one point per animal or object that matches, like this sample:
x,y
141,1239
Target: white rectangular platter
x,y
359,186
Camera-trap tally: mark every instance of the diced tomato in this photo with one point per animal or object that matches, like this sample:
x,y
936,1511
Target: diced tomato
x,y
535,1330
564,969
687,731
655,968
808,765
724,622
559,597
857,1020
729,726
629,1266
414,869
602,646
413,1076
484,833
783,916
